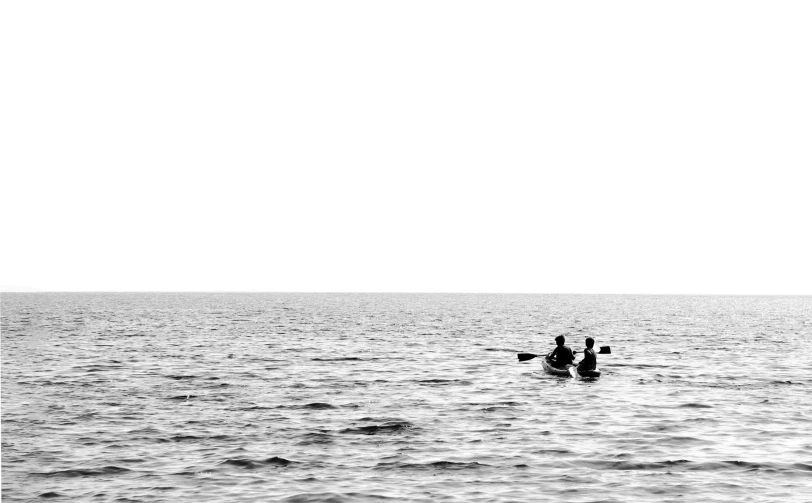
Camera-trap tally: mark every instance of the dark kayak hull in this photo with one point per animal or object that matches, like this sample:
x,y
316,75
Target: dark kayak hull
x,y
569,371
552,370
587,374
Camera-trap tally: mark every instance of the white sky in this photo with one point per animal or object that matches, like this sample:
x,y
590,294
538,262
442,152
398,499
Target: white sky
x,y
551,147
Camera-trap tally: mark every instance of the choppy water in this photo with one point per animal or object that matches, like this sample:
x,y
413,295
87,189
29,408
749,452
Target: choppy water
x,y
356,397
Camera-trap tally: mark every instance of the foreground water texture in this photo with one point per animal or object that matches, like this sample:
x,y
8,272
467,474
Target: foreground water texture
x,y
368,397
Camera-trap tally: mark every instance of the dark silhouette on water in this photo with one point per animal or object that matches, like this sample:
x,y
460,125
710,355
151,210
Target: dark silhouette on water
x,y
523,357
589,361
562,355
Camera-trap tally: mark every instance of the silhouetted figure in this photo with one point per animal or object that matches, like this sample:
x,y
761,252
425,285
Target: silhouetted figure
x,y
590,361
561,355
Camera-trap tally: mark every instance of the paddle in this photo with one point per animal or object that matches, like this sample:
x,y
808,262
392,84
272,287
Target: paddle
x,y
605,350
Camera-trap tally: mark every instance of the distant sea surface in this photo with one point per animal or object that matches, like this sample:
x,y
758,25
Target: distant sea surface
x,y
370,397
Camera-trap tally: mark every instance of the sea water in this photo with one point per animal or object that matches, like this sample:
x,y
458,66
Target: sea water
x,y
227,397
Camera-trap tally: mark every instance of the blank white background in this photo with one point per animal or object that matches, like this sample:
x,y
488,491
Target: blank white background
x,y
427,146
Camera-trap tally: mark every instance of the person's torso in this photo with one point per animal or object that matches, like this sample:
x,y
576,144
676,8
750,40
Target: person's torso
x,y
563,355
590,360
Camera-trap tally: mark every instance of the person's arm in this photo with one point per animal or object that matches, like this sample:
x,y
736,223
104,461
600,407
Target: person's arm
x,y
583,360
589,360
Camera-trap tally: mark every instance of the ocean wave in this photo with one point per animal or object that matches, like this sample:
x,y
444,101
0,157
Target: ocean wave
x,y
495,408
329,497
338,359
435,465
314,413
383,419
316,438
684,464
444,382
497,404
253,464
182,397
377,429
83,472
315,406
553,451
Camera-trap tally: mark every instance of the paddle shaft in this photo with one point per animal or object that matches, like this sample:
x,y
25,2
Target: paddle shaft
x,y
605,350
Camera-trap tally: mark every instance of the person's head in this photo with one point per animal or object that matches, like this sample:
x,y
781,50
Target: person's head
x,y
559,340
590,342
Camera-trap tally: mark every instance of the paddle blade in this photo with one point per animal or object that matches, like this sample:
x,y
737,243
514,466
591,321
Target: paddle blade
x,y
605,350
526,356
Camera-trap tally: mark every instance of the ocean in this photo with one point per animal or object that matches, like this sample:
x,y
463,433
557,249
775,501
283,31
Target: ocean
x,y
228,397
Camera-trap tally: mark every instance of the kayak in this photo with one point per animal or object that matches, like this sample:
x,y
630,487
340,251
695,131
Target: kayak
x,y
568,371
551,369
591,374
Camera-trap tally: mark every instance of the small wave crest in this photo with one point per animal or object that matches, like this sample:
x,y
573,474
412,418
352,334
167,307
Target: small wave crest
x,y
334,497
251,464
377,429
315,406
339,359
315,438
84,472
443,382
684,464
436,465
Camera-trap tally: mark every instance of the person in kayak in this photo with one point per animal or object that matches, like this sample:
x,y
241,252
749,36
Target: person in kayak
x,y
590,361
562,355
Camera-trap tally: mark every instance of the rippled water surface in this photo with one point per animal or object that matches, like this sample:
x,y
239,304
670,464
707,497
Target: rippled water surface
x,y
367,397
